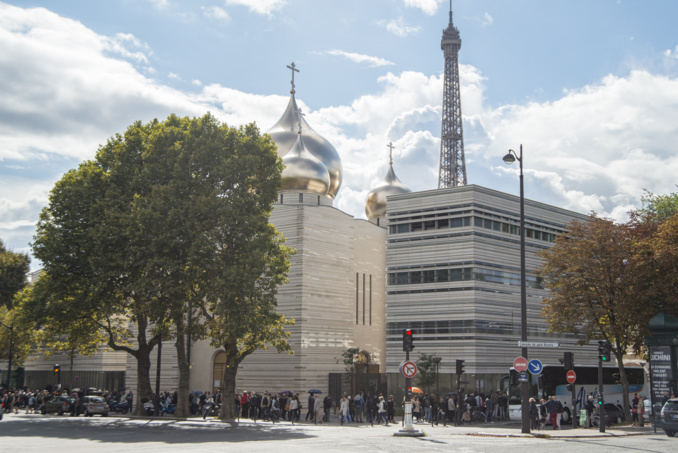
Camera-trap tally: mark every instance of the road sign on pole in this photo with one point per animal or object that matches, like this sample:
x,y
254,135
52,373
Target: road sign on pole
x,y
538,344
522,377
535,366
520,364
571,376
409,369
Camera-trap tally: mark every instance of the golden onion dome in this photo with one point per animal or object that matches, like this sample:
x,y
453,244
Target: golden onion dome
x,y
375,205
284,134
303,171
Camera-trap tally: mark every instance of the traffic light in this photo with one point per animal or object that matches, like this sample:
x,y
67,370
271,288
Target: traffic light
x,y
460,366
408,340
604,351
409,391
57,369
600,401
568,363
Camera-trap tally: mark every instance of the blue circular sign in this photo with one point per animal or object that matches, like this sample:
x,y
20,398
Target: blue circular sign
x,y
535,366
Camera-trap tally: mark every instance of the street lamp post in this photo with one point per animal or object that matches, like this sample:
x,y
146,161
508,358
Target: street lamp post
x,y
509,158
11,352
437,361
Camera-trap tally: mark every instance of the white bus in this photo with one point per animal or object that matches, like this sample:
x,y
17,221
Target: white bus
x,y
552,381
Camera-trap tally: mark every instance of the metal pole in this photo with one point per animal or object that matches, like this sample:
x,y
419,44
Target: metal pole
x,y
525,404
11,354
157,379
601,398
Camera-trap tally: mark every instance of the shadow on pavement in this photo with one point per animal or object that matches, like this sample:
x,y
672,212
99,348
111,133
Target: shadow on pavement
x,y
126,430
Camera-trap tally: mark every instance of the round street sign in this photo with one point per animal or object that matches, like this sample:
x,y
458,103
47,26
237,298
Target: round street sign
x,y
520,364
535,366
409,369
571,377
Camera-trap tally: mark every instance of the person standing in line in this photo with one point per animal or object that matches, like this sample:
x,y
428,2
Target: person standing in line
x,y
382,411
552,409
590,407
343,410
489,407
634,410
534,414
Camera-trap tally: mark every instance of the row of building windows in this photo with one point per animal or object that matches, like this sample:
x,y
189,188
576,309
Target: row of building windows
x,y
462,274
505,225
465,326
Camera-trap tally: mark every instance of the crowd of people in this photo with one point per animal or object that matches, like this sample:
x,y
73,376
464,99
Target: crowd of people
x,y
31,401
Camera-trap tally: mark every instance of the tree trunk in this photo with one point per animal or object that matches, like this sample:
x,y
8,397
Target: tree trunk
x,y
183,409
143,356
144,389
228,386
626,404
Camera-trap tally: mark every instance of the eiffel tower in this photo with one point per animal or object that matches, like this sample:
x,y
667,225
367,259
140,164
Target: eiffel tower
x,y
452,163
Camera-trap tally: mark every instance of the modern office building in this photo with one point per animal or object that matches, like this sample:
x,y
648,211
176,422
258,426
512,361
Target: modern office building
x,y
453,275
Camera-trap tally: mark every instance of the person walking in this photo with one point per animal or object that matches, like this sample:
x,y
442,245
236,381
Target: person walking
x,y
311,406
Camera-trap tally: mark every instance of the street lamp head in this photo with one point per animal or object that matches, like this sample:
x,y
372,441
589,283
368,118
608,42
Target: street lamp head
x,y
509,158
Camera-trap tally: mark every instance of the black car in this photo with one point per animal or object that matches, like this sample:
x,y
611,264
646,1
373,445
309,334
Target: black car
x,y
613,414
669,417
59,404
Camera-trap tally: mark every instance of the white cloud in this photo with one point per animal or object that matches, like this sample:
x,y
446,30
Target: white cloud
x,y
430,7
398,27
196,82
263,7
159,3
486,20
606,142
215,12
360,58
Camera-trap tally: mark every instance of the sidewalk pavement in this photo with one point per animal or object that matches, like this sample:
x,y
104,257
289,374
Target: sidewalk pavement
x,y
500,429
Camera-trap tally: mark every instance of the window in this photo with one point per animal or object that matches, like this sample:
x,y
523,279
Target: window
x,y
403,228
415,277
429,276
415,226
454,223
429,225
443,223
443,275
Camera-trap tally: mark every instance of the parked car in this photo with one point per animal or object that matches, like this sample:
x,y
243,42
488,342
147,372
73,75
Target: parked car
x,y
92,405
613,414
669,417
647,415
59,404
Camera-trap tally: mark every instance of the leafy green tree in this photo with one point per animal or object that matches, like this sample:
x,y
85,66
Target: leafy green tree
x,y
427,372
594,286
13,271
167,229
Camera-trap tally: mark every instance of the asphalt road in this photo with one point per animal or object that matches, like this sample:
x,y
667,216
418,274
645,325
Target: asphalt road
x,y
37,433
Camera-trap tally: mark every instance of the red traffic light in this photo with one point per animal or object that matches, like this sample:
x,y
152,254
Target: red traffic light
x,y
408,340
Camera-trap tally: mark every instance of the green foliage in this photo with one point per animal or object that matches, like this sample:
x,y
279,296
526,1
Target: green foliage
x,y
596,287
17,334
170,217
427,372
349,357
658,208
13,270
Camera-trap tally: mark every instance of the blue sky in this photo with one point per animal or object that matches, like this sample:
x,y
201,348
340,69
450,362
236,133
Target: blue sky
x,y
590,88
